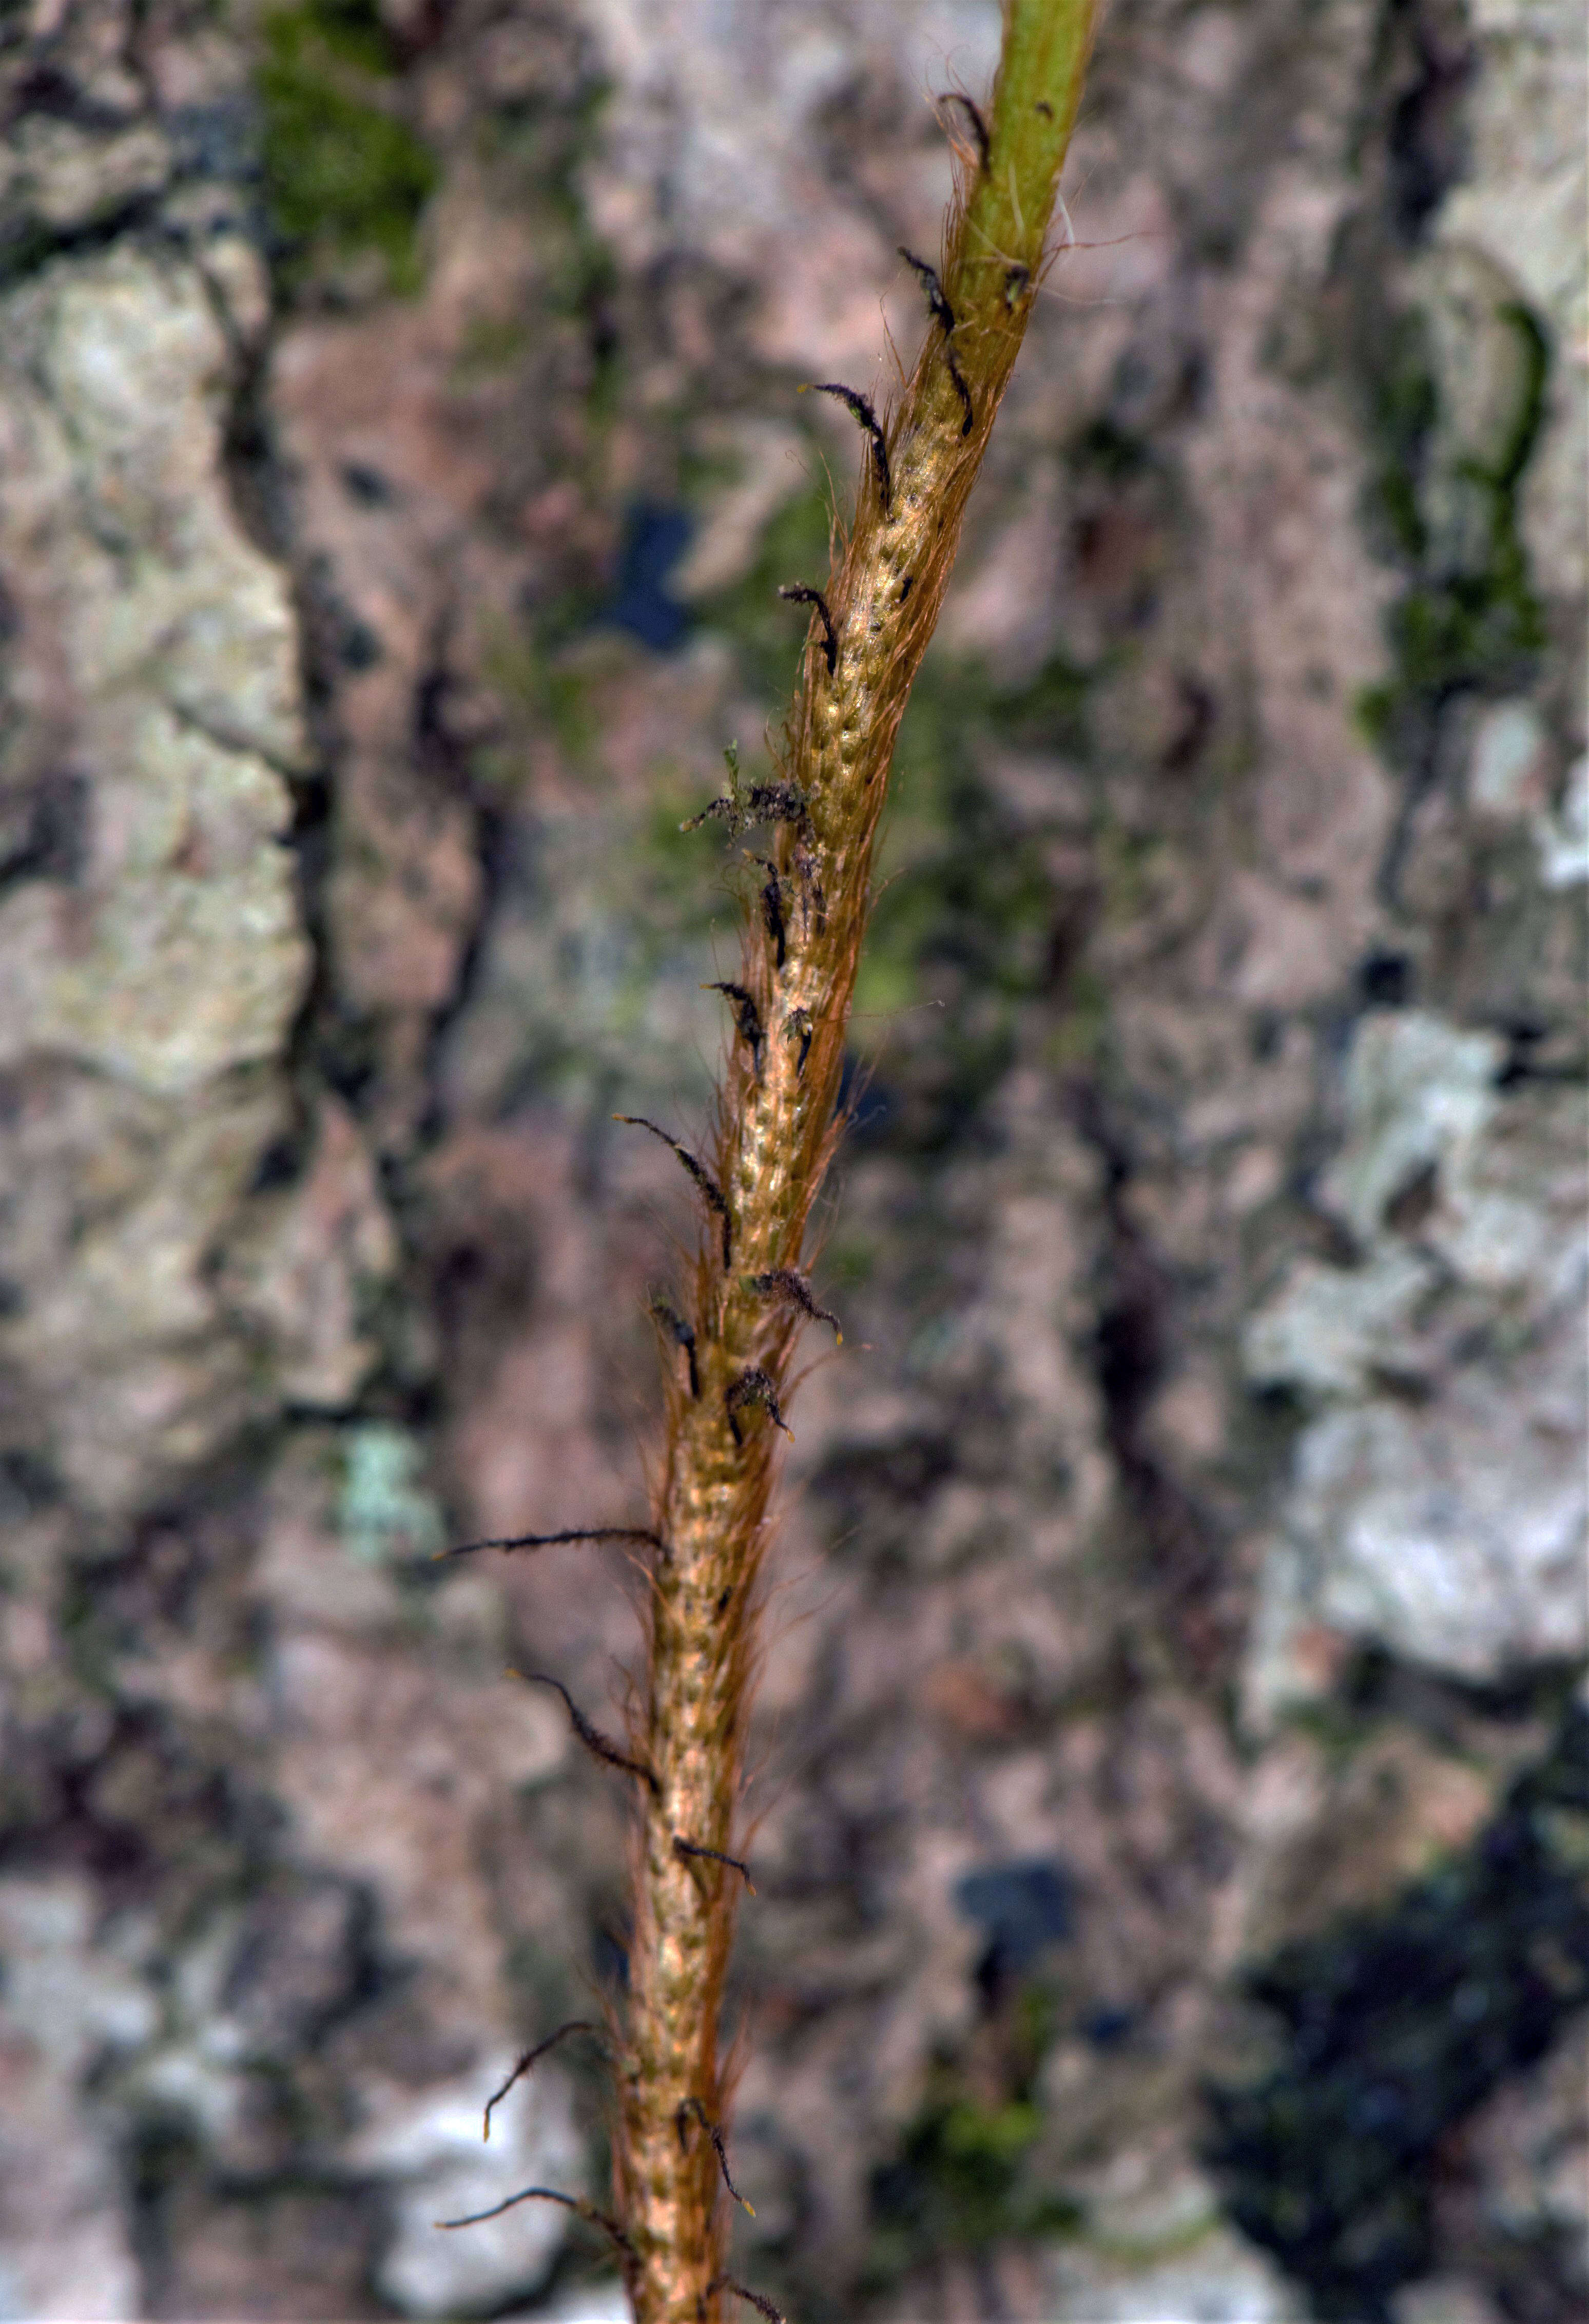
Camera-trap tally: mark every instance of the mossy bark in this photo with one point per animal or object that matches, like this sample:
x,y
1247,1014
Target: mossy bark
x,y
776,1132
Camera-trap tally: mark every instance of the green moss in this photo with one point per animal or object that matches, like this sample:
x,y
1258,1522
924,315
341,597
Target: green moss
x,y
660,905
1474,629
1340,1731
1107,450
766,632
343,175
672,868
848,1262
1078,1039
533,151
583,288
353,30
1405,408
1125,862
490,344
541,688
25,245
966,2173
960,2183
966,914
624,923
1529,415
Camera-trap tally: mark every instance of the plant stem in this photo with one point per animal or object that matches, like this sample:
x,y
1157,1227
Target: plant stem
x,y
776,1133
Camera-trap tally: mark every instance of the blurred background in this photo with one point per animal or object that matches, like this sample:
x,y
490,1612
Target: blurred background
x,y
1170,1799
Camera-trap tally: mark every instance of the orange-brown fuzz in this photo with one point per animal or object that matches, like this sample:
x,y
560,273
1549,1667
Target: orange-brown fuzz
x,y
775,1135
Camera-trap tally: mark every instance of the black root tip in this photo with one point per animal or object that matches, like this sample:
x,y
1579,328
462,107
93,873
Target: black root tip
x,y
693,2106
791,1289
682,1334
938,306
575,2026
555,1540
799,594
962,391
711,1192
747,1020
577,2203
943,314
687,1848
600,1747
754,1387
798,1028
772,912
866,418
757,2299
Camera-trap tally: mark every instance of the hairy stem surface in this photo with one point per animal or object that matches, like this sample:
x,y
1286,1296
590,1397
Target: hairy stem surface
x,y
776,1133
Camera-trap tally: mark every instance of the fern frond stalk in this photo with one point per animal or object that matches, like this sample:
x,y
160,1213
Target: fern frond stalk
x,y
776,1132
